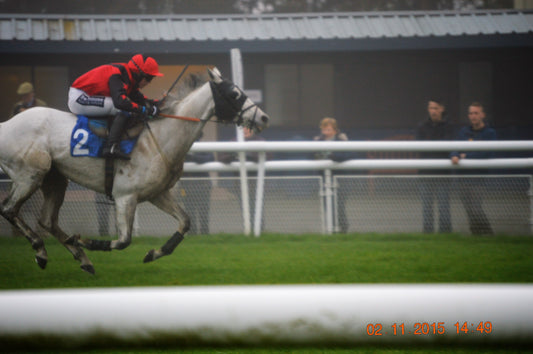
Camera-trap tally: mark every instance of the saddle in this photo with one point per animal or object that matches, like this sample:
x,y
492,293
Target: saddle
x,y
100,128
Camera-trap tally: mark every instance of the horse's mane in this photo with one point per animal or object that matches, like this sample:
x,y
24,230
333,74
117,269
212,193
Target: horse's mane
x,y
184,87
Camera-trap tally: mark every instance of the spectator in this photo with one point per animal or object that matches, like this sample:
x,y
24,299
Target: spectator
x,y
470,190
27,98
329,131
196,199
435,127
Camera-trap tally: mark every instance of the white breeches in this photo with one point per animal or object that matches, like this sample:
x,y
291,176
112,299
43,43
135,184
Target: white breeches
x,y
93,106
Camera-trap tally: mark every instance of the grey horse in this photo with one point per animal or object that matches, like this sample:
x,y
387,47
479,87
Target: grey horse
x,y
35,153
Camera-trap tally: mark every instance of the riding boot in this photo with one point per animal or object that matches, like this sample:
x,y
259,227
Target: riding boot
x,y
112,146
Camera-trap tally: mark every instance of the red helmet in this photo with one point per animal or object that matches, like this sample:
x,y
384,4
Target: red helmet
x,y
146,65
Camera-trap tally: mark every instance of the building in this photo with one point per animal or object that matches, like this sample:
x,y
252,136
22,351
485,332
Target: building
x,y
374,71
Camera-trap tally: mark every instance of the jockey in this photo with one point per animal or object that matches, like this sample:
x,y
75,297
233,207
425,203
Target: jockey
x,y
113,89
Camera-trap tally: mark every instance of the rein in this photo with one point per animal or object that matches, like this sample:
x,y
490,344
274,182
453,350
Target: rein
x,y
163,156
223,108
174,84
220,100
190,119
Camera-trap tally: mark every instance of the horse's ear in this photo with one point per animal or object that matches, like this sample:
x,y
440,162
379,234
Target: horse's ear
x,y
215,75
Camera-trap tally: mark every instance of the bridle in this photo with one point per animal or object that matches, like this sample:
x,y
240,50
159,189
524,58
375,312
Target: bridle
x,y
240,120
228,108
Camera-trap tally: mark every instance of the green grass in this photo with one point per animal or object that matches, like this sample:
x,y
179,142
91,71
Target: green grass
x,y
280,259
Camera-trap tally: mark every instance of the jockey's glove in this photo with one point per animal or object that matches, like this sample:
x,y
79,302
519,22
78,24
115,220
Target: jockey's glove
x,y
151,110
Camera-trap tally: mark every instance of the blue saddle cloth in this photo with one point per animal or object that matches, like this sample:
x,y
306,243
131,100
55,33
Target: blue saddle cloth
x,y
83,142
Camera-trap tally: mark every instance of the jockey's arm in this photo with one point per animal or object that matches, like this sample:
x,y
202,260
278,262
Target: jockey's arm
x,y
139,98
117,88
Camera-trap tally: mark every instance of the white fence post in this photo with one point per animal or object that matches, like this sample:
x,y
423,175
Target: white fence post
x,y
335,198
259,194
328,194
322,196
238,79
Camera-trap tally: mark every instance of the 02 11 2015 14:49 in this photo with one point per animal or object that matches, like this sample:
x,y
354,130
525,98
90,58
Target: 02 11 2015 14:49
x,y
425,328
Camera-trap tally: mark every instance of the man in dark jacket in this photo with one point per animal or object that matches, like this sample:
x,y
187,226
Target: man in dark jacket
x,y
27,98
114,89
470,189
435,127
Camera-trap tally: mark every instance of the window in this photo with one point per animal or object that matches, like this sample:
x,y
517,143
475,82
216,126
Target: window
x,y
298,95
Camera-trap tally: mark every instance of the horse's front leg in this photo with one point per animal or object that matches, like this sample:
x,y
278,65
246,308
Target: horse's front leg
x,y
168,202
125,209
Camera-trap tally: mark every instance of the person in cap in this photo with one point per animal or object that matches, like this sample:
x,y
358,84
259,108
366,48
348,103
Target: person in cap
x,y
114,90
27,98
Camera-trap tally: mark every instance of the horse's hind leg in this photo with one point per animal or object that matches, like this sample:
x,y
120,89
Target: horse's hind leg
x,y
21,189
53,187
167,201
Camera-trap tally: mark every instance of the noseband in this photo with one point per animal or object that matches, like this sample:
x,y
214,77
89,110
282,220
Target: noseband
x,y
229,109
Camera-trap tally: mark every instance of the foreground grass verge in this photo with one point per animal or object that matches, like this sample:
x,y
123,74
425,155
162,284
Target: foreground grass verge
x,y
280,259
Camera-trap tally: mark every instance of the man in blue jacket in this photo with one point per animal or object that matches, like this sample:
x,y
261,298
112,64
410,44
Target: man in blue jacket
x,y
470,189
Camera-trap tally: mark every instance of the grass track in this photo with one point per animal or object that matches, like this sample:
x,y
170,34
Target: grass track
x,y
282,259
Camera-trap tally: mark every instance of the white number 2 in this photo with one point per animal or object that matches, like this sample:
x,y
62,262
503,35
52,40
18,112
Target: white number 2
x,y
78,149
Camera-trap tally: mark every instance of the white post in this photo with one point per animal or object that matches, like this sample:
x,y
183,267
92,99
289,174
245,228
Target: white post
x,y
329,203
335,203
259,193
322,196
237,77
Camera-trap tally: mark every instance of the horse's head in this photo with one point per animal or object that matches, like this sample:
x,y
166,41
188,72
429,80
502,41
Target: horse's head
x,y
232,105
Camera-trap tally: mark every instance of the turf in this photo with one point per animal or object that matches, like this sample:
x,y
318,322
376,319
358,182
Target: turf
x,y
280,259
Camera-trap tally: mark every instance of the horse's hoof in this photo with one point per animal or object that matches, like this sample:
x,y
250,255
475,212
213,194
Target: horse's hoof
x,y
88,268
41,262
150,256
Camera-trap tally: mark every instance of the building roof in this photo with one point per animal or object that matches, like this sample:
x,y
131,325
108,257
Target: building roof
x,y
267,32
